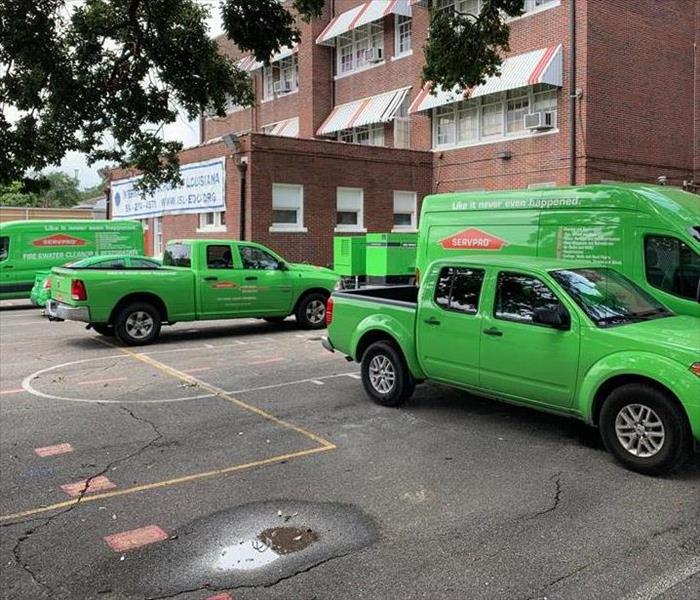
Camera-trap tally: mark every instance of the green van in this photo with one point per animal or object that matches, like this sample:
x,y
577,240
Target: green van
x,y
649,233
27,247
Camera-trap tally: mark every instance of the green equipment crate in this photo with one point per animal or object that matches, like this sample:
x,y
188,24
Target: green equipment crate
x,y
391,254
349,255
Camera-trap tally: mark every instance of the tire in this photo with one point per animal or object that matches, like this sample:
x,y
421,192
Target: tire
x,y
635,409
137,324
276,320
103,329
311,311
379,362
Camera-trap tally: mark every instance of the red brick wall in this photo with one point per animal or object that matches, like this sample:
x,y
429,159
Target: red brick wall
x,y
640,89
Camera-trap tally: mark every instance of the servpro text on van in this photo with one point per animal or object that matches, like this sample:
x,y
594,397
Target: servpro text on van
x,y
649,233
27,247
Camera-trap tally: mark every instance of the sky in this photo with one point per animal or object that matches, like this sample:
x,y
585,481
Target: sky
x,y
75,164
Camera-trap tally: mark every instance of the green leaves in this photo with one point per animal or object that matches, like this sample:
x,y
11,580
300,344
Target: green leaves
x,y
463,49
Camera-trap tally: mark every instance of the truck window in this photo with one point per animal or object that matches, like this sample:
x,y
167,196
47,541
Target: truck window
x,y
142,263
458,289
115,263
219,257
672,266
4,247
255,258
518,295
177,255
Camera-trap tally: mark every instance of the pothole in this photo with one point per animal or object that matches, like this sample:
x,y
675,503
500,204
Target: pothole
x,y
255,544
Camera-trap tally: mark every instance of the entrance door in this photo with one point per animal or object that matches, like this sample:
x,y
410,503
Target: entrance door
x,y
267,285
220,283
449,326
521,358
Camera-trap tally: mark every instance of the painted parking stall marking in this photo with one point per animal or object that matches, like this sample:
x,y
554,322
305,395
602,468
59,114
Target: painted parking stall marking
x,y
88,486
15,391
54,450
223,596
135,538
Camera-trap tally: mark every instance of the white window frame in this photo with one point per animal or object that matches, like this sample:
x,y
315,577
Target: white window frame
x,y
365,135
403,30
402,125
287,203
284,69
218,221
357,42
451,112
157,236
341,205
530,7
412,198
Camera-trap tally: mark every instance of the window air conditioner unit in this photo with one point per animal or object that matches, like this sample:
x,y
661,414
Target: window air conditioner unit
x,y
282,87
375,55
539,120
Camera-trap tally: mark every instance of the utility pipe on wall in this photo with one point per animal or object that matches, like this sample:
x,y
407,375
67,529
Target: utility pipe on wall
x,y
572,93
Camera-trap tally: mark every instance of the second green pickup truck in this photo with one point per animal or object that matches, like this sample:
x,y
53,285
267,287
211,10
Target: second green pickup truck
x,y
570,338
199,280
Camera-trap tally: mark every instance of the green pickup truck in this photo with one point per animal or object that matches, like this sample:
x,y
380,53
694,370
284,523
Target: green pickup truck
x,y
570,338
199,280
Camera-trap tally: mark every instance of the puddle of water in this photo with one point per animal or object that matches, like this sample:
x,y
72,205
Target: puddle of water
x,y
266,548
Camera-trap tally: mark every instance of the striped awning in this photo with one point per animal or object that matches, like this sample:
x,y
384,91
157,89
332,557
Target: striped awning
x,y
372,10
249,63
286,128
539,66
374,109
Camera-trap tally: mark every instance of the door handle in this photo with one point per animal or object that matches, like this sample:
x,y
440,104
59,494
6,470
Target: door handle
x,y
493,331
251,278
211,279
431,321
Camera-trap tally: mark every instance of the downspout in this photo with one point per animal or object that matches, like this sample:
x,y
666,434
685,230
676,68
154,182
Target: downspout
x,y
572,93
242,164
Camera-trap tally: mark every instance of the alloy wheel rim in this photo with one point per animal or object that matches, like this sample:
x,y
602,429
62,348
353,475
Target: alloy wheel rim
x,y
639,430
382,374
139,324
316,312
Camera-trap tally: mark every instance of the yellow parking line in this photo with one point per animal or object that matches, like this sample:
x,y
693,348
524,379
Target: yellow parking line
x,y
165,483
217,391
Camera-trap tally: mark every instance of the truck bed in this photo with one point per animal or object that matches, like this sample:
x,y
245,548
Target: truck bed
x,y
404,295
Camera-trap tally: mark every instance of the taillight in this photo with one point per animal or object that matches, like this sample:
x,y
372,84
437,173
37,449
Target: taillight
x,y
695,368
329,311
77,290
47,283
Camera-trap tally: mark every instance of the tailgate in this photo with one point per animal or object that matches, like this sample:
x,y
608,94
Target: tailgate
x,y
60,284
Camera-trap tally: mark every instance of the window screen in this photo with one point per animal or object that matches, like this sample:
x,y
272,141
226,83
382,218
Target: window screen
x,y
459,288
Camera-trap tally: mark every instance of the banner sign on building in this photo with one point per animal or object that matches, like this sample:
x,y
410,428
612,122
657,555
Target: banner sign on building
x,y
202,190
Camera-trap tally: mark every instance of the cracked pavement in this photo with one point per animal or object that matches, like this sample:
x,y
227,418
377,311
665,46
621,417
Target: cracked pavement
x,y
471,498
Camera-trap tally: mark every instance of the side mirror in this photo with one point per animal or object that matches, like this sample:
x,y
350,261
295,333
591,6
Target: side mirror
x,y
554,318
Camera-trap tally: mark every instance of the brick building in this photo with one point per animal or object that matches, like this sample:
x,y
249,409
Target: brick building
x,y
343,138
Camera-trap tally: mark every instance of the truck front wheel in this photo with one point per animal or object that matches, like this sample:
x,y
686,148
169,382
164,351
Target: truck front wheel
x,y
385,375
137,324
644,429
311,311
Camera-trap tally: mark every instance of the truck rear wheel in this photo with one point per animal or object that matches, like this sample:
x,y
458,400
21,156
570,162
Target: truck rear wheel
x,y
103,329
311,311
385,375
137,324
644,429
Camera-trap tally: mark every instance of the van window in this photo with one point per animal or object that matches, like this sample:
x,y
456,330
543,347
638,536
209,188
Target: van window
x,y
219,257
518,295
177,255
459,289
4,247
672,266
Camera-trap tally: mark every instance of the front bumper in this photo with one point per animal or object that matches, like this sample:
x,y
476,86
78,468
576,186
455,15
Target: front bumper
x,y
327,344
57,311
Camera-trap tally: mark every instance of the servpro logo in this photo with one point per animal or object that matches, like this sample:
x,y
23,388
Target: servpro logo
x,y
473,239
58,239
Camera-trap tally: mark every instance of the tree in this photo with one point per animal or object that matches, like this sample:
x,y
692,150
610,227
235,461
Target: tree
x,y
57,190
103,77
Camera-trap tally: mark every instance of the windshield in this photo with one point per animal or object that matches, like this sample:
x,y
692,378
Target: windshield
x,y
608,297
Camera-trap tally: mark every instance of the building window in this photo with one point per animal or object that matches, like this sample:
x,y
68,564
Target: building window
x,y
366,135
212,221
402,126
465,7
281,77
157,236
402,33
360,48
287,207
491,118
405,210
350,211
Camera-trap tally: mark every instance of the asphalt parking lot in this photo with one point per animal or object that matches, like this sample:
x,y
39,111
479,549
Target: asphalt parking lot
x,y
240,460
